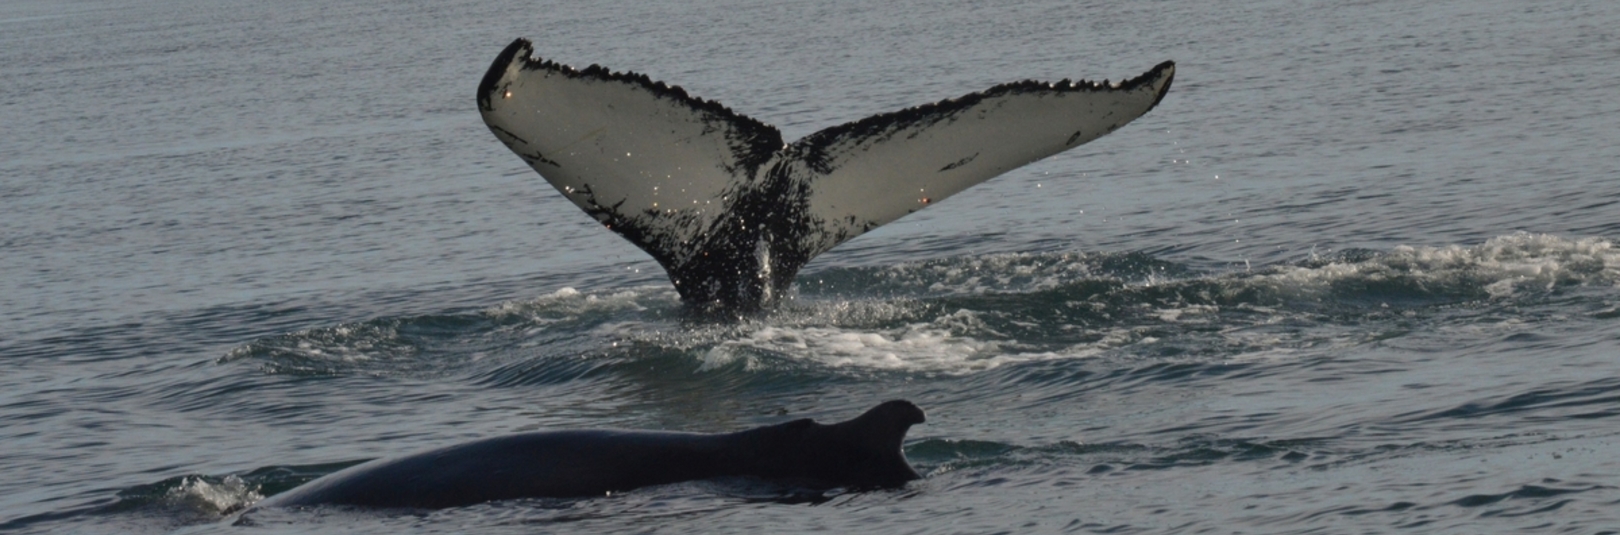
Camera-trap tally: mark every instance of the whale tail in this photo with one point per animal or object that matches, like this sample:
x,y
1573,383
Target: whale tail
x,y
731,211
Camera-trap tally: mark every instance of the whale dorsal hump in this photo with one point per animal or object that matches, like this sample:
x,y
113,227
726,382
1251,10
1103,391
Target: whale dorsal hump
x,y
867,449
885,425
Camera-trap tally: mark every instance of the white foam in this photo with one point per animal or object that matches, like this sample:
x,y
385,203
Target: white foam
x,y
1188,314
961,343
935,347
910,334
1501,266
348,343
230,494
911,347
994,272
568,303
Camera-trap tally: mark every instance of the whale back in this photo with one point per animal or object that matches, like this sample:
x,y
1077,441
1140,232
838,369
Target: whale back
x,y
862,452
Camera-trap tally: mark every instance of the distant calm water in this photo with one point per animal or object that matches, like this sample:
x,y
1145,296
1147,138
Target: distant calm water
x,y
1356,273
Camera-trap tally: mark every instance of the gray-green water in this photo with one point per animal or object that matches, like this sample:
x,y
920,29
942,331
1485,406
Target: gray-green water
x,y
1355,274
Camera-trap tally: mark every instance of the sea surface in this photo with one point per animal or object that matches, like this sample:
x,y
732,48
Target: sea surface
x,y
1357,273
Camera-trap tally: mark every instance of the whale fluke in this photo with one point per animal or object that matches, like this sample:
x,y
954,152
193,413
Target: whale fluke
x,y
731,211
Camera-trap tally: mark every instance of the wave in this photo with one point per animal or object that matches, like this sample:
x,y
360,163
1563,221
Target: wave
x,y
967,314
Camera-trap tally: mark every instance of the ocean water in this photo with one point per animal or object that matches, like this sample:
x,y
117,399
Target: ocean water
x,y
1355,274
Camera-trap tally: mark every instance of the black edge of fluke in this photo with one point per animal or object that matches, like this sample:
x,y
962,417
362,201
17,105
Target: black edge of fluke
x,y
523,50
492,77
1157,71
879,122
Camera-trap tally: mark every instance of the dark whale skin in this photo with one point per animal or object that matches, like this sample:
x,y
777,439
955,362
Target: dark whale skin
x,y
863,452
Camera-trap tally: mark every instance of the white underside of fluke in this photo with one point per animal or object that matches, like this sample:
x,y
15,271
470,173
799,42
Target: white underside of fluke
x,y
704,189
